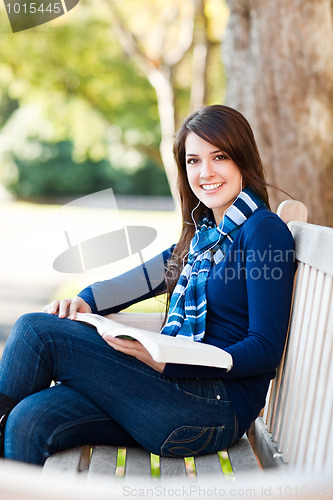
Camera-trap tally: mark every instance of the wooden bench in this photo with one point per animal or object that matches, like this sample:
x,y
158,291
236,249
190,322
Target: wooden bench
x,y
292,441
295,428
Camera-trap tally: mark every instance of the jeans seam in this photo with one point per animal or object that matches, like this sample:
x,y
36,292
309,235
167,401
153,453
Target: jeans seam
x,y
236,430
208,399
39,353
204,429
74,423
211,429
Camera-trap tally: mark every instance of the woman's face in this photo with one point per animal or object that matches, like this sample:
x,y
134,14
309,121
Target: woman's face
x,y
214,178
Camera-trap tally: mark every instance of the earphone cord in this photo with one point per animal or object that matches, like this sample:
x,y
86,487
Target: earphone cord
x,y
220,230
195,225
196,232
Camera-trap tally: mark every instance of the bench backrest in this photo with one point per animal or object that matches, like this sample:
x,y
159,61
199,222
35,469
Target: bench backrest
x,y
299,408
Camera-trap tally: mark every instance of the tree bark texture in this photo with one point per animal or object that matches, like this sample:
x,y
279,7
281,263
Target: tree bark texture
x,y
278,56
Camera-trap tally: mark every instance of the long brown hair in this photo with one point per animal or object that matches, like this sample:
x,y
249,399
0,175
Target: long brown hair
x,y
227,130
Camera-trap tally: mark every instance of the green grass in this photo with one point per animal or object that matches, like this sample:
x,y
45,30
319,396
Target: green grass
x,y
189,465
121,462
155,466
226,465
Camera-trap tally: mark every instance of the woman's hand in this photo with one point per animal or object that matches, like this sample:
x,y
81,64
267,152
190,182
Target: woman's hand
x,y
67,307
135,349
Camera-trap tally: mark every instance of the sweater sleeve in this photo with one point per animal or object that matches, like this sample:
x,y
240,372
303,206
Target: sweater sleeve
x,y
143,282
269,265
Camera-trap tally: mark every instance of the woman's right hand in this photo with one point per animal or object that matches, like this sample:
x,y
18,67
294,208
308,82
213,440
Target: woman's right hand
x,y
67,307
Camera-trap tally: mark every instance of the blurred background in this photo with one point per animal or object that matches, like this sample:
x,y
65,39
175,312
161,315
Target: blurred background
x,y
91,101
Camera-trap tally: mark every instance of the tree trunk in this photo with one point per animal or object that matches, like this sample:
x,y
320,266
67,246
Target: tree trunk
x,y
279,60
161,81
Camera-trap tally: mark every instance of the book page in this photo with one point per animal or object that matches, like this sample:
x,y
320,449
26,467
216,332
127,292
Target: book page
x,y
162,348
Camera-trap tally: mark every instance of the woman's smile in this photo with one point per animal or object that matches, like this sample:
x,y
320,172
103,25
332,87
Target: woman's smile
x,y
212,187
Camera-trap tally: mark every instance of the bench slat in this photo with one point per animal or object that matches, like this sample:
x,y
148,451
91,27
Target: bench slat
x,y
137,462
321,430
72,461
309,402
103,461
265,447
292,210
242,457
287,440
273,397
208,464
301,382
174,467
269,406
327,461
293,347
313,245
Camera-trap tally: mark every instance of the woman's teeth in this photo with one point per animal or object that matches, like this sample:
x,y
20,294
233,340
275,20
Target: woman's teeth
x,y
211,187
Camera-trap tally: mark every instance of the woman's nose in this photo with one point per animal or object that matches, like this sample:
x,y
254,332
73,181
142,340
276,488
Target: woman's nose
x,y
207,172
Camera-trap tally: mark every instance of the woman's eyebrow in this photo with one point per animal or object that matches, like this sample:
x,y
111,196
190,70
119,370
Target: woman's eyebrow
x,y
211,153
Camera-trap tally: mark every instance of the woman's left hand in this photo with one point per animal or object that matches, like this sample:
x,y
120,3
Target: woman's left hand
x,y
134,348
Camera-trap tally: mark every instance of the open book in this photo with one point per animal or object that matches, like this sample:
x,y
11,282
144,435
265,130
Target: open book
x,y
162,348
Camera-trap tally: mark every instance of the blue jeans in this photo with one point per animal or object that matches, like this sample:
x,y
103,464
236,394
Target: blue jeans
x,y
104,397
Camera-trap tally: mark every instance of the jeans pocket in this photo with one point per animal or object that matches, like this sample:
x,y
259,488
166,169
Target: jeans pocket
x,y
187,441
207,390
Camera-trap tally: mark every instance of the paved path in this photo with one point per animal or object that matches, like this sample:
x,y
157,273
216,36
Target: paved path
x,y
17,300
27,280
32,237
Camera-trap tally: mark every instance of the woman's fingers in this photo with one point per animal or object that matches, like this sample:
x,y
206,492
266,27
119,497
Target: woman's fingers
x,y
52,308
59,307
64,307
78,305
135,349
123,344
67,307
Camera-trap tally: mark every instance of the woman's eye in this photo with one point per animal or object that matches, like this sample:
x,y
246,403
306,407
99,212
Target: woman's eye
x,y
191,161
221,157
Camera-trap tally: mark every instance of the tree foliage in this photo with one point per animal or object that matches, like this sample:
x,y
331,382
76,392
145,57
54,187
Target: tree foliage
x,y
51,172
104,98
76,71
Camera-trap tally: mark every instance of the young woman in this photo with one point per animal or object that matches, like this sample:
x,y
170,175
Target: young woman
x,y
229,280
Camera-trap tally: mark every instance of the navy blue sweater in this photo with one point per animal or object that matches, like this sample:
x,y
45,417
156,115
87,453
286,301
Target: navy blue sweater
x,y
248,303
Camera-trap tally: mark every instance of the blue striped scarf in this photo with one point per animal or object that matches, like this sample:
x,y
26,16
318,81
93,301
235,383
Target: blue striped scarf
x,y
188,303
